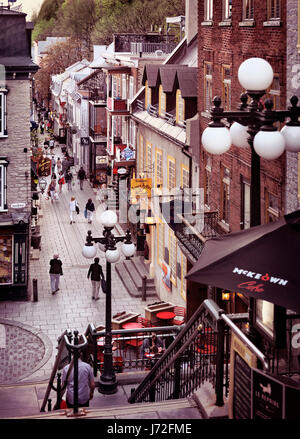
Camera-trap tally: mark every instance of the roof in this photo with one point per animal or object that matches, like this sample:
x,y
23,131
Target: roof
x,y
150,74
187,80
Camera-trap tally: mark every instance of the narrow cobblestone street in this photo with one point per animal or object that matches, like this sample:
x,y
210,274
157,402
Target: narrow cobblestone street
x,y
70,308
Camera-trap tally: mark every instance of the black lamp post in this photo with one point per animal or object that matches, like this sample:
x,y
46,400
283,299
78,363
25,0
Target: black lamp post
x,y
108,382
253,125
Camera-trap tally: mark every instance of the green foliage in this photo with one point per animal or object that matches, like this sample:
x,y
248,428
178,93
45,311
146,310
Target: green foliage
x,y
95,21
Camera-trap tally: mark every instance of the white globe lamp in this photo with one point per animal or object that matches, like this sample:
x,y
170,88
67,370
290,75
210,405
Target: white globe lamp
x,y
128,249
89,251
112,255
239,135
269,144
216,140
291,136
108,218
255,74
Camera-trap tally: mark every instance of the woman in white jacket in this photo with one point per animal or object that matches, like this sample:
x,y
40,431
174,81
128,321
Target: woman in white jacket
x,y
72,206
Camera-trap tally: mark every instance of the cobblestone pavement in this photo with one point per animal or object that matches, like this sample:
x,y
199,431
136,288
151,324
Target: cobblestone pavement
x,y
70,308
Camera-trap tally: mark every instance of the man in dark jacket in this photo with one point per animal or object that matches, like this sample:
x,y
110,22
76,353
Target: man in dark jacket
x,y
55,273
96,273
81,176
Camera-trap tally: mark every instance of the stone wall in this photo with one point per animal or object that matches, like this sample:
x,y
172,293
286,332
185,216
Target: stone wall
x,y
293,88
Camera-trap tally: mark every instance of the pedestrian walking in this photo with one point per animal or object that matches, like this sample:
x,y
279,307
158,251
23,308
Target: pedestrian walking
x,y
46,144
42,127
72,208
69,179
96,273
89,209
55,273
53,163
81,176
86,383
58,165
52,188
51,145
65,165
61,181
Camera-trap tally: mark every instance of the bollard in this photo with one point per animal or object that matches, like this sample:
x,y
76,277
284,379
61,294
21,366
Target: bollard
x,y
49,405
35,290
144,286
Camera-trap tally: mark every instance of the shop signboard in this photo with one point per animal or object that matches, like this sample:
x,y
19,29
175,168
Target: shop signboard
x,y
44,167
84,141
101,160
274,397
242,360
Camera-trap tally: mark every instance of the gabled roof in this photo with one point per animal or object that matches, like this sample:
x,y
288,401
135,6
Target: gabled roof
x,y
150,74
187,81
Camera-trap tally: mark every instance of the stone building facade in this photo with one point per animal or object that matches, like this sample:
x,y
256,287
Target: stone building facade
x,y
227,37
292,192
17,69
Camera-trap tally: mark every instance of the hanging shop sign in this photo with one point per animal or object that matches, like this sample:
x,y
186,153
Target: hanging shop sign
x,y
101,159
141,187
44,167
84,141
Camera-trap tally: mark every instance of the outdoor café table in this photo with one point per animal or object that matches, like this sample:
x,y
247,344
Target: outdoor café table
x,y
166,317
133,325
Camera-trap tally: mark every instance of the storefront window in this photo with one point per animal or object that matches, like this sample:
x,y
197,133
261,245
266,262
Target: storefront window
x,y
6,259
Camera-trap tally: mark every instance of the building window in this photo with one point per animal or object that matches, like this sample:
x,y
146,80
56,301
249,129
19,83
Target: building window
x,y
3,189
158,168
172,256
183,274
124,86
208,85
147,95
149,160
227,8
161,243
131,87
171,173
208,10
273,7
226,88
180,116
162,102
6,258
185,177
274,92
225,194
3,128
132,133
207,182
271,207
248,10
245,204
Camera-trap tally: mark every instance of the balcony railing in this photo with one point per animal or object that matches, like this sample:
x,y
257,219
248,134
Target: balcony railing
x,y
137,48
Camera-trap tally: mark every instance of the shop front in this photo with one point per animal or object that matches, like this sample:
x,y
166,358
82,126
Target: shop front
x,y
99,164
14,256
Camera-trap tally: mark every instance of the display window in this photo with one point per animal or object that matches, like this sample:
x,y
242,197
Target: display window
x,y
6,260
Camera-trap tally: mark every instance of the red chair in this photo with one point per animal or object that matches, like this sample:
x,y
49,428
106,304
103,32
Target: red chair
x,y
179,318
145,322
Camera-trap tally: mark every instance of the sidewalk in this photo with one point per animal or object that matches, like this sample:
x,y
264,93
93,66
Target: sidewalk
x,y
39,324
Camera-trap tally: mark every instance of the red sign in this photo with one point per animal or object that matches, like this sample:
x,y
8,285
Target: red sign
x,y
44,167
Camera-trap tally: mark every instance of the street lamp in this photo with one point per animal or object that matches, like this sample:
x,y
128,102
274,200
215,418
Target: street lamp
x,y
253,125
107,382
42,184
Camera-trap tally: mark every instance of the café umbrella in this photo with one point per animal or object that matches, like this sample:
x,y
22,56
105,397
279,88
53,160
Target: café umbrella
x,y
260,262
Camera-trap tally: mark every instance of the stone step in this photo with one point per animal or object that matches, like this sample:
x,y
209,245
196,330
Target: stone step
x,y
129,284
187,407
136,277
142,268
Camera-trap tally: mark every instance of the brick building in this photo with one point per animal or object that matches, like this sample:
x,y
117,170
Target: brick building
x,y
16,72
230,32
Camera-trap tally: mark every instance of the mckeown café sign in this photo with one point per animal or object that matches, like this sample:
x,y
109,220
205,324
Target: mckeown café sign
x,y
259,280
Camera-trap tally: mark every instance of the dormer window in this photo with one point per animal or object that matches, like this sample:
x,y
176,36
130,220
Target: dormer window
x,y
147,95
180,110
162,102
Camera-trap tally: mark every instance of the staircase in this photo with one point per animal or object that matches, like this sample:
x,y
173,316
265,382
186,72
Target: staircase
x,y
131,272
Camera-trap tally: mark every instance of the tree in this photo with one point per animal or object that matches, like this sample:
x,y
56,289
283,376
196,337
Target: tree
x,y
60,56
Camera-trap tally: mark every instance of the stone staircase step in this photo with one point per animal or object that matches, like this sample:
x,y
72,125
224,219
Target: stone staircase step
x,y
141,411
141,267
130,285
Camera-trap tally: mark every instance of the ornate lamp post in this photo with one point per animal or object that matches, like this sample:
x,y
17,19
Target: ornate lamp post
x,y
107,382
253,125
42,185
